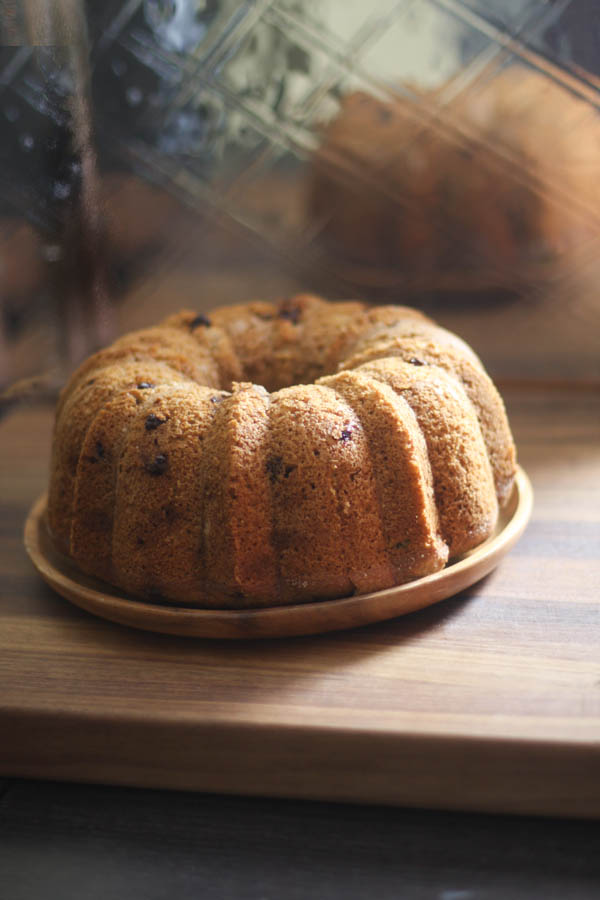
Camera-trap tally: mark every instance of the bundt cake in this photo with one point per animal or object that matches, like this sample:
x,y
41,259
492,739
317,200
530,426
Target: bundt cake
x,y
275,454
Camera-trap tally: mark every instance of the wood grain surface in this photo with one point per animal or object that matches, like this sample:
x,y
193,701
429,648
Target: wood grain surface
x,y
489,701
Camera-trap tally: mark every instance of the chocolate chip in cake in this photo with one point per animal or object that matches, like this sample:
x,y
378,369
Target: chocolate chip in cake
x,y
402,545
153,421
288,471
158,466
346,435
144,385
416,362
98,453
200,320
291,313
274,467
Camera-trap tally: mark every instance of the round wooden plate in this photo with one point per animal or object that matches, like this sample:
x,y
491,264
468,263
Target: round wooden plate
x,y
283,621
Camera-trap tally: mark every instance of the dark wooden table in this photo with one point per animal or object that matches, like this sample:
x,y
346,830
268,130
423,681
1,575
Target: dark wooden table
x,y
76,842
60,840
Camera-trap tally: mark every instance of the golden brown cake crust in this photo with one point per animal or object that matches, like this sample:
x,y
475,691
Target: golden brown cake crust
x,y
268,454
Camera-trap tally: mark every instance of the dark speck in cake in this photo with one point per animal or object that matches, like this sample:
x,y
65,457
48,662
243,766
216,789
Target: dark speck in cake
x,y
402,545
265,317
416,362
153,421
158,466
289,312
216,399
200,320
145,385
274,467
385,114
289,470
98,453
346,435
91,381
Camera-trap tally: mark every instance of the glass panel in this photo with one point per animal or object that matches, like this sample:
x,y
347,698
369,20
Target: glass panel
x,y
443,153
424,47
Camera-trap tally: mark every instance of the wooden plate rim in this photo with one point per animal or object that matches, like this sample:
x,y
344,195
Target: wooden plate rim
x,y
283,621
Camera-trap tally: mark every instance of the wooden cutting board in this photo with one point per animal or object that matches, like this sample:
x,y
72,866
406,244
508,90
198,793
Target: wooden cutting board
x,y
487,701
